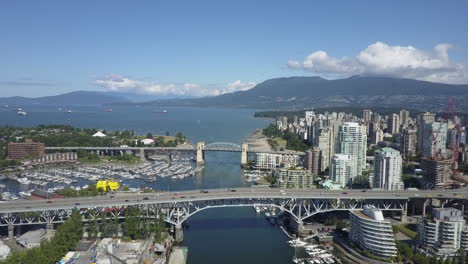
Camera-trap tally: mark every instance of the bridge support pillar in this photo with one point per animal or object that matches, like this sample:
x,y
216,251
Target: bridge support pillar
x,y
200,153
424,209
244,149
404,213
50,231
141,153
11,232
178,233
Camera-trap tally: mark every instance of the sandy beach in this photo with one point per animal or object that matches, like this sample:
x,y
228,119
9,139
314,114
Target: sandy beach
x,y
257,141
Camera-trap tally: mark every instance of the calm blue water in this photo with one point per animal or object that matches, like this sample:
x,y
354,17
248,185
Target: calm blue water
x,y
227,235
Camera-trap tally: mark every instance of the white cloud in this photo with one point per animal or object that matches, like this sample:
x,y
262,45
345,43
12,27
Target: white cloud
x,y
120,83
397,61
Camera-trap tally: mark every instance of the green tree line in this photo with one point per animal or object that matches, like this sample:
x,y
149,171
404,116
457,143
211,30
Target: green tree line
x,y
65,239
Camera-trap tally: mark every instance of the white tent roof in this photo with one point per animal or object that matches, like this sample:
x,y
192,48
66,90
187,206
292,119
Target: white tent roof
x,y
99,134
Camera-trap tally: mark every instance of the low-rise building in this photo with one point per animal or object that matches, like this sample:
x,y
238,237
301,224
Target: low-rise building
x,y
445,233
27,149
436,173
274,160
295,178
372,232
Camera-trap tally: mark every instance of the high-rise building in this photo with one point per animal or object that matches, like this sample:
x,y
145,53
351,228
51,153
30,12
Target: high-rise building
x,y
408,142
367,115
388,169
404,117
296,179
436,173
394,124
423,119
372,232
377,136
340,169
376,118
323,143
17,151
352,141
313,160
445,233
434,131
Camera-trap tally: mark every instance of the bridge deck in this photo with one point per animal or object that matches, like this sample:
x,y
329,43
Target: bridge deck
x,y
129,199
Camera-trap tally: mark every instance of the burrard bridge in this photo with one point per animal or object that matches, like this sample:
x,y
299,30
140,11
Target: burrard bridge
x,y
199,149
177,207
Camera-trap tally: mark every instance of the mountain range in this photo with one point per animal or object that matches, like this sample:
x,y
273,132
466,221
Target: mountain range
x,y
290,93
307,92
73,98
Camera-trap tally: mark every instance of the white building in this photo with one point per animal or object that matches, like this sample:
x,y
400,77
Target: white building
x,y
394,124
387,169
352,141
430,131
372,232
272,161
445,234
340,169
367,115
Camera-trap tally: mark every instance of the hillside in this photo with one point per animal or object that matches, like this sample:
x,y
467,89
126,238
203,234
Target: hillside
x,y
72,98
306,92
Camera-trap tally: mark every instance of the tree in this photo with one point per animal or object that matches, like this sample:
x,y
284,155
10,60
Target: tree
x,y
149,135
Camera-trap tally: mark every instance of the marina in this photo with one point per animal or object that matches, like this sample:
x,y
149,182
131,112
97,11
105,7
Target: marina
x,y
77,177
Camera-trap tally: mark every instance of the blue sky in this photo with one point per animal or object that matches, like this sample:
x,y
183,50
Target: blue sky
x,y
211,47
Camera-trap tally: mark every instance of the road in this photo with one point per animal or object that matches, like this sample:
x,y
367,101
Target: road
x,y
127,199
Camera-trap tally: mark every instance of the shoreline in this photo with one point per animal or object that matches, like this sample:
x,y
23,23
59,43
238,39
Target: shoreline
x,y
257,141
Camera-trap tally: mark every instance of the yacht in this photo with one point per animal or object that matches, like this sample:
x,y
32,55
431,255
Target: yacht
x,y
297,243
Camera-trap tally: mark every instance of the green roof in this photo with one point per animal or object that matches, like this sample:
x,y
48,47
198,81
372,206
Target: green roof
x,y
389,150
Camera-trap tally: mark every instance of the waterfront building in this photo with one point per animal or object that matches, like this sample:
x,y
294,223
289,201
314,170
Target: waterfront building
x,y
431,131
436,173
394,124
18,151
272,161
445,233
388,169
372,232
295,178
367,115
352,141
340,170
55,158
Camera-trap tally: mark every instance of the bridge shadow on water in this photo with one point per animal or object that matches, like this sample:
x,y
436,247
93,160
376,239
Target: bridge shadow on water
x,y
235,235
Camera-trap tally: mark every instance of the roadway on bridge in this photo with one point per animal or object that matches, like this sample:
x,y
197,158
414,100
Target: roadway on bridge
x,y
128,199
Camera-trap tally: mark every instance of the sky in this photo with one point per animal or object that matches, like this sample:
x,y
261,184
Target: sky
x,y
205,48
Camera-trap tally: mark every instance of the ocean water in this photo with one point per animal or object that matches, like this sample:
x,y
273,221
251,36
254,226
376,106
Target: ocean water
x,y
215,236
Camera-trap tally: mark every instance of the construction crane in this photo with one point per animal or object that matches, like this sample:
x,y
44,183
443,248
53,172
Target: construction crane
x,y
457,137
